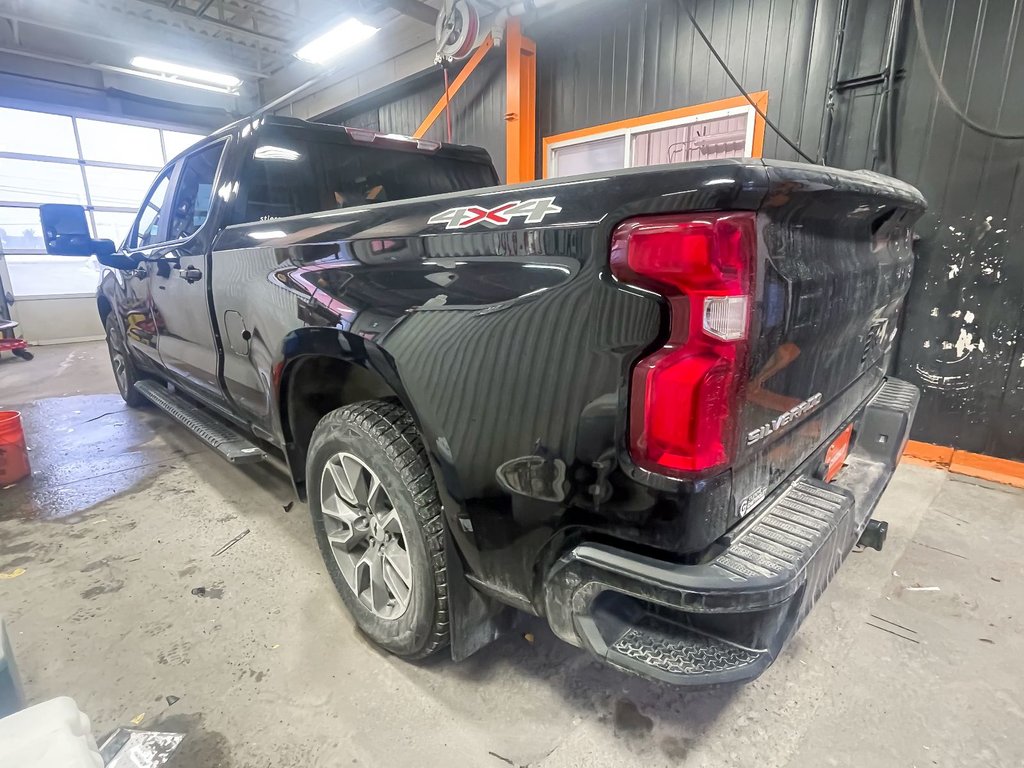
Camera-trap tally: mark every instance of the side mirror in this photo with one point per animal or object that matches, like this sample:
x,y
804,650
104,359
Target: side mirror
x,y
66,233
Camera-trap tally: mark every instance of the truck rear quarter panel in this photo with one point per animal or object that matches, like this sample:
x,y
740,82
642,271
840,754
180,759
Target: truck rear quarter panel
x,y
512,344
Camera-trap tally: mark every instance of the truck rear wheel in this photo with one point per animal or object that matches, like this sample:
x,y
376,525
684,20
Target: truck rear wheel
x,y
377,519
124,369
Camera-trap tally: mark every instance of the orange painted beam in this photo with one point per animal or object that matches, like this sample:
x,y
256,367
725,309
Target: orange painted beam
x,y
520,105
966,463
457,83
926,452
988,468
761,100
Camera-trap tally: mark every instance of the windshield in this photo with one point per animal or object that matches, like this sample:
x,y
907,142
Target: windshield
x,y
288,175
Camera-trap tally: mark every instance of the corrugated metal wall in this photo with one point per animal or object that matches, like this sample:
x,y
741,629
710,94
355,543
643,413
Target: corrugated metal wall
x,y
964,328
607,61
963,336
478,109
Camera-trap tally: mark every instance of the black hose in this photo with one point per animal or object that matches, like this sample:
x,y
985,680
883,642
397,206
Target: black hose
x,y
943,93
689,12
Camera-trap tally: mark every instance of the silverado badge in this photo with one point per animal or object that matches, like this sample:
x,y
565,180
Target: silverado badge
x,y
786,418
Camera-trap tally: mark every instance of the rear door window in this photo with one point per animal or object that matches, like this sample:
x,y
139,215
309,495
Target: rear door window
x,y
278,182
360,175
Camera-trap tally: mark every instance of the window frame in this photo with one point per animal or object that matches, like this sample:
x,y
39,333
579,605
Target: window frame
x,y
224,141
174,178
731,107
238,207
170,172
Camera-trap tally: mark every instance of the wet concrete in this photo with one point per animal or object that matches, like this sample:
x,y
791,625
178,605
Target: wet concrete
x,y
911,658
88,449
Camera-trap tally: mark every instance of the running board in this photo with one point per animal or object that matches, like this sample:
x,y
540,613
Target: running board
x,y
229,443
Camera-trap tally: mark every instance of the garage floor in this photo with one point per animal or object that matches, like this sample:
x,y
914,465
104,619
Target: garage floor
x,y
912,658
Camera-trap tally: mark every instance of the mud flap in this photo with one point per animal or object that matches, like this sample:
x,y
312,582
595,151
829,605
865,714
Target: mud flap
x,y
475,620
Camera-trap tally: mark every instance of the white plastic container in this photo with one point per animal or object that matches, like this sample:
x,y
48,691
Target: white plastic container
x,y
10,684
54,734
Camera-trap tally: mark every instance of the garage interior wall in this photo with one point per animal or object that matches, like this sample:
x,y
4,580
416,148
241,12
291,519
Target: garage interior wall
x,y
602,64
963,331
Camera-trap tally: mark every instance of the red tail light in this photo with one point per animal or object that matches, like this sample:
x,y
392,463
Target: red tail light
x,y
684,397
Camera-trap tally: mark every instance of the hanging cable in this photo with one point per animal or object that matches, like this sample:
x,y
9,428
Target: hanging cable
x,y
447,104
922,43
689,12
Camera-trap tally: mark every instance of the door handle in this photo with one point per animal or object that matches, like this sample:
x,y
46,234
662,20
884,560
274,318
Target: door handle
x,y
190,274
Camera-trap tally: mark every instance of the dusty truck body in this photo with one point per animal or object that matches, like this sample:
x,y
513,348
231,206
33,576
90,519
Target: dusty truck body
x,y
651,406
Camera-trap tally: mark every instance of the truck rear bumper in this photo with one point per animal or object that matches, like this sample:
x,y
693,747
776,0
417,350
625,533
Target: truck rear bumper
x,y
727,619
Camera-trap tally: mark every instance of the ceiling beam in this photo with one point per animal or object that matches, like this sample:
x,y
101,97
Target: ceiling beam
x,y
235,69
262,13
228,23
414,9
155,10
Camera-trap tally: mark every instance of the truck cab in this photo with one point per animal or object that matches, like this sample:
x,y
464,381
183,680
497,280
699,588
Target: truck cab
x,y
258,171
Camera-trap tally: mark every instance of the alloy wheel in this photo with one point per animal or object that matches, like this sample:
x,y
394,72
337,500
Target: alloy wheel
x,y
366,535
118,362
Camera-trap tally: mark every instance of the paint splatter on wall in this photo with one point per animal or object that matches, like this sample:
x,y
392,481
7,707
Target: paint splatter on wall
x,y
963,339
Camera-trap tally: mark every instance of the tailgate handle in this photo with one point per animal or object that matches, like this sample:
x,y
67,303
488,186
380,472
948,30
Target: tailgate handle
x,y
880,228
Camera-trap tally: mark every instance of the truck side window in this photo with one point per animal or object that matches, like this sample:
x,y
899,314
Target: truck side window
x,y
278,182
195,192
147,226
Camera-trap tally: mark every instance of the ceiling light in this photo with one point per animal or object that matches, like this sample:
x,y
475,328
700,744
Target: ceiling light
x,y
341,38
180,73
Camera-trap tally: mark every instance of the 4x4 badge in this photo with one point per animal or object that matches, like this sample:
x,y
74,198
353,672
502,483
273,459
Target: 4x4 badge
x,y
533,211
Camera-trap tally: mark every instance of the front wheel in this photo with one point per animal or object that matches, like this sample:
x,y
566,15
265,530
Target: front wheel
x,y
377,519
124,369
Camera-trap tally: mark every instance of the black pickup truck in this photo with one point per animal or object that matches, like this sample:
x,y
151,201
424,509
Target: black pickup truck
x,y
650,406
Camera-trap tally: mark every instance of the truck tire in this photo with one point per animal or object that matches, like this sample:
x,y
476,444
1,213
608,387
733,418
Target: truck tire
x,y
377,518
124,369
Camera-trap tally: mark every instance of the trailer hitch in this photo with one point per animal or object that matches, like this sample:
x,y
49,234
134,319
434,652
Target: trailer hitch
x,y
874,535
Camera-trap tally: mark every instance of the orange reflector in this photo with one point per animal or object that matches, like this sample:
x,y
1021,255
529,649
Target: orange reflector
x,y
836,454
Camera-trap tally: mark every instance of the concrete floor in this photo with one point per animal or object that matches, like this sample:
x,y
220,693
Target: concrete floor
x,y
124,511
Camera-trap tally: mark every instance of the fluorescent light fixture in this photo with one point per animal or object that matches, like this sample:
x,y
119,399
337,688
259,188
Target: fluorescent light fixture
x,y
179,73
335,41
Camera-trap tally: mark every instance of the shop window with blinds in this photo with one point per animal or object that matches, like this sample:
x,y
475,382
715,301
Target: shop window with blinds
x,y
656,140
103,165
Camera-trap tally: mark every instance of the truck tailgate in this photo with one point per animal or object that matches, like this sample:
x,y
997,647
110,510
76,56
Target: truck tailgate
x,y
835,261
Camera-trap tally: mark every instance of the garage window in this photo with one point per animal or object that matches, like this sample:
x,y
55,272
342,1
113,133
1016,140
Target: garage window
x,y
727,128
54,158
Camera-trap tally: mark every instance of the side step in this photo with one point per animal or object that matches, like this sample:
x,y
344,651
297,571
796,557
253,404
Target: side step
x,y
228,442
